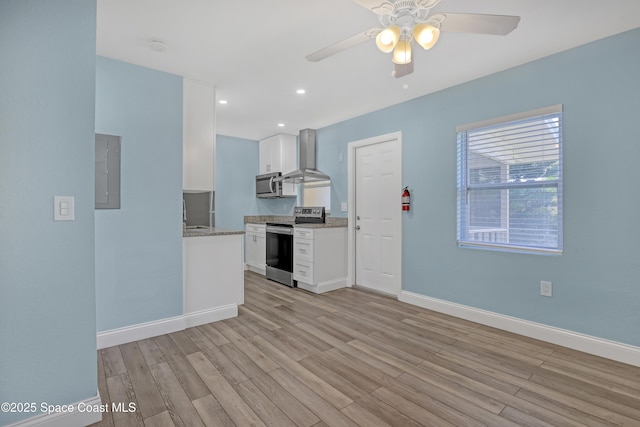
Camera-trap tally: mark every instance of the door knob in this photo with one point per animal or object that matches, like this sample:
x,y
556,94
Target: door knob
x,y
357,227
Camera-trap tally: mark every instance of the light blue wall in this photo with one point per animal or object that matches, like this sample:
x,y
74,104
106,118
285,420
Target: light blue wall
x,y
283,206
47,292
596,279
139,246
236,170
331,158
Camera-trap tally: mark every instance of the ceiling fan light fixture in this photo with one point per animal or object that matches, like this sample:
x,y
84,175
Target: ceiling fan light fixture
x,y
402,52
388,38
426,35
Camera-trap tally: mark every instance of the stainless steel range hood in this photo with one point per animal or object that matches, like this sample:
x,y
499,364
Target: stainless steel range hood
x,y
307,171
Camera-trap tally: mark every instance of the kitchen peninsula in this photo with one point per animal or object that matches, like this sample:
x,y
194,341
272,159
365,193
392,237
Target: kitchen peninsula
x,y
213,274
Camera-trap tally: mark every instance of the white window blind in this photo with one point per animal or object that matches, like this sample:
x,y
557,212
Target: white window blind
x,y
510,182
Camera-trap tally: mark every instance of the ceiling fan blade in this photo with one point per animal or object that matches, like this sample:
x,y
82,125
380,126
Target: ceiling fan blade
x,y
499,25
343,45
379,7
426,4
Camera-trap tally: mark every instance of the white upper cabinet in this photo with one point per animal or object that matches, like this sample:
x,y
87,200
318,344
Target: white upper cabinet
x,y
198,136
279,154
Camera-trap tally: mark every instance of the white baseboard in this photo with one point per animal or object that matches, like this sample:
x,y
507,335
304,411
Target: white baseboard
x,y
211,315
82,415
258,270
323,287
139,332
163,326
597,346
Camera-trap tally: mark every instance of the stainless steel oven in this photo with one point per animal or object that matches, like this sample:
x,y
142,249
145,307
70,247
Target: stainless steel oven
x,y
279,243
279,253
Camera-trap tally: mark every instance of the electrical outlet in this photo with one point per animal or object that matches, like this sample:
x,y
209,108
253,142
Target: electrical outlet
x,y
546,288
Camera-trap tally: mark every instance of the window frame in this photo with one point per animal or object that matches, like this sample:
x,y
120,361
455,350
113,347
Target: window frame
x,y
466,187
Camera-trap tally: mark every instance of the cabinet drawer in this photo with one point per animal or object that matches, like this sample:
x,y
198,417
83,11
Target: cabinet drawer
x,y
303,272
303,233
303,250
255,228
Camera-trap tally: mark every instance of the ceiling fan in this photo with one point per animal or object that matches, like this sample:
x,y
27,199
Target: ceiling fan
x,y
404,21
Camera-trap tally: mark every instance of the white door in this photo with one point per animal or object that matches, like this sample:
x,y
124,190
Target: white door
x,y
378,214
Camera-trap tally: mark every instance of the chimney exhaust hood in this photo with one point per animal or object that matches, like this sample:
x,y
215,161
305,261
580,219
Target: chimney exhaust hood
x,y
307,171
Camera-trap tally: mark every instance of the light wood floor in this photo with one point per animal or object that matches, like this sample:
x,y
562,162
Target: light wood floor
x,y
351,357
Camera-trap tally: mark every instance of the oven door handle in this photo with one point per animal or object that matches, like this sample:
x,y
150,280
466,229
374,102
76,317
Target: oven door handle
x,y
279,230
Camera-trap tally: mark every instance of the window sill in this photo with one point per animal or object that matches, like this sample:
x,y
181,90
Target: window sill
x,y
510,248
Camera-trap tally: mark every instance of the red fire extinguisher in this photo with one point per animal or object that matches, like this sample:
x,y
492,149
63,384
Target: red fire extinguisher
x,y
406,199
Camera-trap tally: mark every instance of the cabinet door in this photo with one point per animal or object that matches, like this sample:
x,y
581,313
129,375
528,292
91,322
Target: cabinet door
x,y
278,154
261,251
255,247
269,155
287,153
264,156
250,254
288,161
256,254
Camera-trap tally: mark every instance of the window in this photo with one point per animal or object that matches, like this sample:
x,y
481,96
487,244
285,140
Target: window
x,y
510,182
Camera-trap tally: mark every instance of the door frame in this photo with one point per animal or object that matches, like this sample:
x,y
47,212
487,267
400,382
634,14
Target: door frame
x,y
351,241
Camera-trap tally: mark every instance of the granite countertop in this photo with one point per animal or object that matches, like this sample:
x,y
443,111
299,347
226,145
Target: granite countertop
x,y
209,231
263,219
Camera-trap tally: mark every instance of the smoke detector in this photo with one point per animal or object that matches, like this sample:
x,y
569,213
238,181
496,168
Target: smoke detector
x,y
157,45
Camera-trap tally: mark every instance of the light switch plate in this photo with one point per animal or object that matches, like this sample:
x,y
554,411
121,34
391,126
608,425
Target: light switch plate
x,y
63,208
343,206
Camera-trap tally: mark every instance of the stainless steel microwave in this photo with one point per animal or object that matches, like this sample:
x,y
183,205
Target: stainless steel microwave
x,y
266,186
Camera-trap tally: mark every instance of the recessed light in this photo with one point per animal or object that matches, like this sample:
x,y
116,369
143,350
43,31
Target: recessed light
x,y
281,125
223,101
301,91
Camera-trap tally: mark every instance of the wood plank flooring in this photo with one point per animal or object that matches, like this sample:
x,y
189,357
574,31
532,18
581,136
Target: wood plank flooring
x,y
354,358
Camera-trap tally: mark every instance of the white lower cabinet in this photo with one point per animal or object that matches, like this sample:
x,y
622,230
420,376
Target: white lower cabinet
x,y
320,258
255,248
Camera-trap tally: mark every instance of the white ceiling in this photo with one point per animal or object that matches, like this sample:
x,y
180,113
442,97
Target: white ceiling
x,y
254,51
